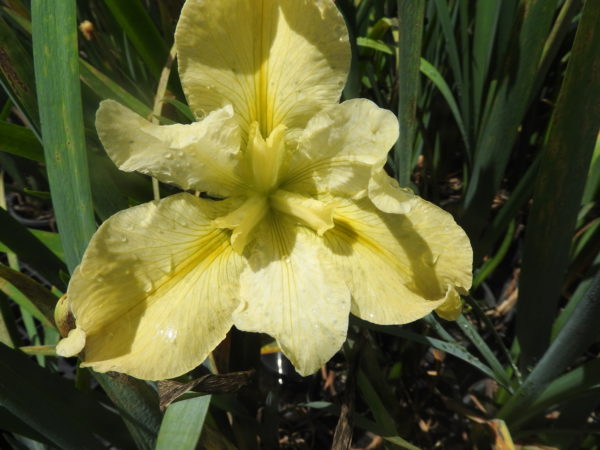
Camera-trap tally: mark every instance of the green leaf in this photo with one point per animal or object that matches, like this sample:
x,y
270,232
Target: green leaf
x,y
578,382
57,76
106,88
52,407
20,141
558,190
183,423
487,13
452,348
507,109
41,301
138,404
576,336
29,249
139,28
411,19
471,332
16,74
374,44
436,78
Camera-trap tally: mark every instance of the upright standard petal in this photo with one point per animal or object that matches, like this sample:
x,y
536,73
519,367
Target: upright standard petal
x,y
156,289
292,290
203,155
339,147
400,267
276,61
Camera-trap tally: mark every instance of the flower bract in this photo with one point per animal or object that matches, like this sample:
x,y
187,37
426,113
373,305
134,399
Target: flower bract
x,y
300,225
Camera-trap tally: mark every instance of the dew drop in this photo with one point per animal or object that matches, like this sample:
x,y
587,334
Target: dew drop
x,y
169,155
180,154
148,286
123,238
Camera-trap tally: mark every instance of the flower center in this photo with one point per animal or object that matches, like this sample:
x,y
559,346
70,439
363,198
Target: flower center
x,y
264,161
265,158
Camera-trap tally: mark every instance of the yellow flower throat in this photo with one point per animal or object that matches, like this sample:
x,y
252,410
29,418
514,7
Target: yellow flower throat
x,y
263,172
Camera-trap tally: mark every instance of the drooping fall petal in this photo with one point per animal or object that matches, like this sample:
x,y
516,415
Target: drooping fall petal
x,y
275,61
203,155
400,267
156,289
291,289
339,146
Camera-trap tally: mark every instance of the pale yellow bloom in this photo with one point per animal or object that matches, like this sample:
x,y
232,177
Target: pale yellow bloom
x,y
309,226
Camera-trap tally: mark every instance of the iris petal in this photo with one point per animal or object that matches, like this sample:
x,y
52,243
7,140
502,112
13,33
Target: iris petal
x,y
400,267
293,291
275,61
156,288
339,147
203,155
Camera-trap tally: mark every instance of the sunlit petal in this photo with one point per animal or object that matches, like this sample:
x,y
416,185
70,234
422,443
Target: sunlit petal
x,y
400,267
339,148
156,288
293,291
203,155
387,195
276,61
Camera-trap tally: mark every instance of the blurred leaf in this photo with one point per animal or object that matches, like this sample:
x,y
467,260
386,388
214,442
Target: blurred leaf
x,y
592,186
487,13
106,88
436,78
182,424
471,332
59,98
411,19
52,407
29,249
558,189
16,74
137,403
137,24
576,336
578,382
42,301
451,348
374,44
507,109
15,425
20,141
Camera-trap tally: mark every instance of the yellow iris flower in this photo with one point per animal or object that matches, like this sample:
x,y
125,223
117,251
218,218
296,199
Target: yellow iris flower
x,y
309,229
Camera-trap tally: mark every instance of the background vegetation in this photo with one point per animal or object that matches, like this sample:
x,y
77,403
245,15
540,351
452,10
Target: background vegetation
x,y
499,107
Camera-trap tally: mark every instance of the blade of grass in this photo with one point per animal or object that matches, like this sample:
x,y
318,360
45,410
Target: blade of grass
x,y
105,88
508,108
452,348
487,13
29,249
17,77
578,382
183,423
137,403
558,190
436,78
20,141
141,31
23,383
488,355
38,300
576,336
411,19
56,66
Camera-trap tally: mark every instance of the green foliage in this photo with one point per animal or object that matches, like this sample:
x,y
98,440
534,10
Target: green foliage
x,y
498,109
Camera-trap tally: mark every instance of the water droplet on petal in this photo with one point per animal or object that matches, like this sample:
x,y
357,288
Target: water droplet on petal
x,y
148,286
169,155
180,154
123,238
